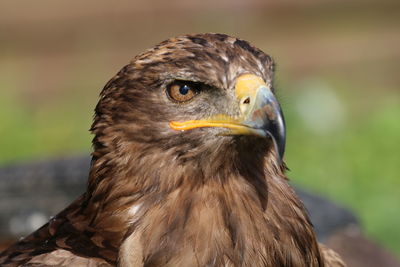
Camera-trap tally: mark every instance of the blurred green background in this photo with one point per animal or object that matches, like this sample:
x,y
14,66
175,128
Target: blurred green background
x,y
338,80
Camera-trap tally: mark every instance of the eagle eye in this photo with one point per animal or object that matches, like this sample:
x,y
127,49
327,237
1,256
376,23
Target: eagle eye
x,y
182,91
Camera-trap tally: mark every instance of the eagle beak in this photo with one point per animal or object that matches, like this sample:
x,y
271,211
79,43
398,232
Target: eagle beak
x,y
260,114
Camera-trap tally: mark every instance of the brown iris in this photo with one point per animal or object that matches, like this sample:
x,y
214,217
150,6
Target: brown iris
x,y
182,91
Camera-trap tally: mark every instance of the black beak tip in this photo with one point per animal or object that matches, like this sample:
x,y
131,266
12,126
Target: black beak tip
x,y
276,129
280,148
279,142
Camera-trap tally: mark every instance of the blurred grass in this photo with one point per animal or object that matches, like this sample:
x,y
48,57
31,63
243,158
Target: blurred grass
x,y
55,57
53,129
357,166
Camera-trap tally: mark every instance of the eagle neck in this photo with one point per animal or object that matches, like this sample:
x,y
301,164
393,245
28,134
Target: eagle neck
x,y
217,209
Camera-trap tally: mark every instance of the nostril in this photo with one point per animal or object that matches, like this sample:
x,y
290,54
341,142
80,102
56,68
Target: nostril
x,y
247,100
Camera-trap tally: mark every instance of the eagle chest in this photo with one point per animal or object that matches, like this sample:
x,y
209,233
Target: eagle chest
x,y
204,232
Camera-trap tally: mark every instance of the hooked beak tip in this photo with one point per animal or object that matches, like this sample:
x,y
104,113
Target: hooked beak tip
x,y
266,115
278,140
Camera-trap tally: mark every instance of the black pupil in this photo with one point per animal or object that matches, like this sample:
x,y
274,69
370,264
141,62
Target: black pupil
x,y
184,89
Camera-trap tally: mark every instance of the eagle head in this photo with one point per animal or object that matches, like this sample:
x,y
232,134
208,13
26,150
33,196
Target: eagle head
x,y
195,98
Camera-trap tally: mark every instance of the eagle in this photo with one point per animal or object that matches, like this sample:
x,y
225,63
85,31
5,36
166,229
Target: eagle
x,y
187,169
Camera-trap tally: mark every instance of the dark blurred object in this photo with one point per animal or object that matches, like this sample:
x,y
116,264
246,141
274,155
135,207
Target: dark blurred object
x,y
33,192
30,193
358,251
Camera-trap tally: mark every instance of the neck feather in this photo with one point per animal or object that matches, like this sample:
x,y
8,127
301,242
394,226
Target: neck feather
x,y
223,212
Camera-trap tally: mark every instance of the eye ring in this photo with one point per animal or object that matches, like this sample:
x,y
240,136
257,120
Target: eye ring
x,y
182,91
